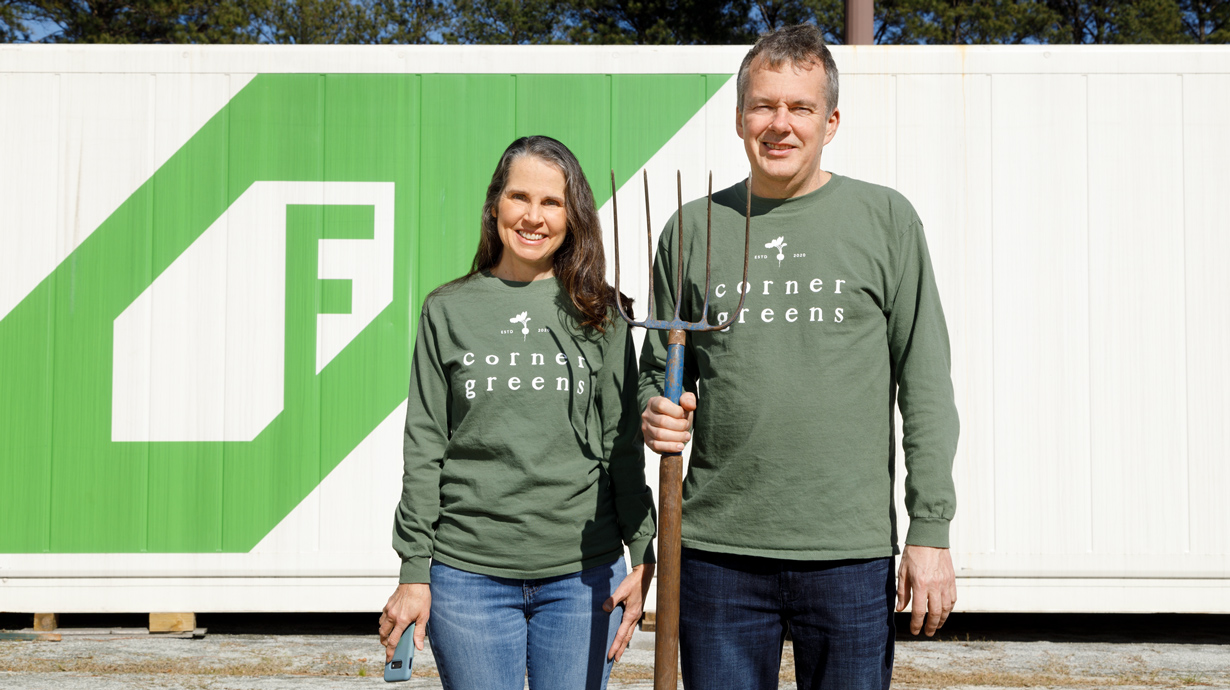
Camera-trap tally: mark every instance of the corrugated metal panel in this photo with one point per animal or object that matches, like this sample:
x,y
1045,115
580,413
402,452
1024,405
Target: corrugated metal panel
x,y
1206,148
944,167
1040,481
866,143
1137,371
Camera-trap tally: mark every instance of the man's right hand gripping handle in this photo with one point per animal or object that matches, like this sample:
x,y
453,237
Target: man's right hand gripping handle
x,y
667,426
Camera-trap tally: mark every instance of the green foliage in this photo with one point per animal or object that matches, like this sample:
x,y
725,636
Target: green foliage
x,y
148,21
956,22
306,22
12,24
829,15
411,21
1117,21
509,22
1012,21
643,22
1206,21
1149,21
1048,21
656,22
227,21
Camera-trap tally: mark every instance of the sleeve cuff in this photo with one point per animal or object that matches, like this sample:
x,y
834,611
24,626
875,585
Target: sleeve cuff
x,y
641,551
415,570
928,532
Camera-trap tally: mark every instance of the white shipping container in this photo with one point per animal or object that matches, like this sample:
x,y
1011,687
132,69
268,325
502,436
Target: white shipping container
x,y
1074,205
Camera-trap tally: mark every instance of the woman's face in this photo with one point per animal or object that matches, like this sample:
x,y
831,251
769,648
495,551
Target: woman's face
x,y
531,219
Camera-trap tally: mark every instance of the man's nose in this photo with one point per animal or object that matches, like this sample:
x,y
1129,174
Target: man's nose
x,y
781,120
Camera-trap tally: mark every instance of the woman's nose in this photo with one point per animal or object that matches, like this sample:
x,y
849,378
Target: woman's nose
x,y
534,214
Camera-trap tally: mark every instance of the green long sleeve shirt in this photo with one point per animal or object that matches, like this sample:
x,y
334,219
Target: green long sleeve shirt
x,y
523,454
793,450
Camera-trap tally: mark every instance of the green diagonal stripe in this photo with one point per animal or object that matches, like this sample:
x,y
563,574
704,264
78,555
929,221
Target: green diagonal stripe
x,y
65,487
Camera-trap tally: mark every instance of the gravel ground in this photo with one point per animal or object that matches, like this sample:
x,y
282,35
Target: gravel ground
x,y
1005,657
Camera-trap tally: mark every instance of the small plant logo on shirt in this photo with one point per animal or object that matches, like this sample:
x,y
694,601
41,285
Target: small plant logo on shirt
x,y
524,319
779,244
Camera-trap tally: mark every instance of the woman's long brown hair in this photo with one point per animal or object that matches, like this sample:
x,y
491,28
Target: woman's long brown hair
x,y
579,263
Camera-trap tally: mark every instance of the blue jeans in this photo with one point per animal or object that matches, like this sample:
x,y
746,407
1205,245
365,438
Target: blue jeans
x,y
735,611
487,632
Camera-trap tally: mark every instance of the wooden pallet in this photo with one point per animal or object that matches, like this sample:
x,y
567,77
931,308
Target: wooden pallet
x,y
176,624
172,622
34,635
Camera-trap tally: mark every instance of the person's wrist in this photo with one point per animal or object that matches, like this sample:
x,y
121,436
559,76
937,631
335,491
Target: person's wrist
x,y
931,532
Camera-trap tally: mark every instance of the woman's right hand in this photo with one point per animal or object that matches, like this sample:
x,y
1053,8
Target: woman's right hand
x,y
410,603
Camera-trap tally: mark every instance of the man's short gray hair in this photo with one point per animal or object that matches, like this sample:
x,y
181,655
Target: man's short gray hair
x,y
799,46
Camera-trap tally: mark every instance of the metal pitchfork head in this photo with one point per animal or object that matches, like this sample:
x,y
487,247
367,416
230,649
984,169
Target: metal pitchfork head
x,y
670,471
676,323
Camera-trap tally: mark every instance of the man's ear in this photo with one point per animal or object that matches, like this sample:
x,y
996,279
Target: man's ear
x,y
830,127
738,122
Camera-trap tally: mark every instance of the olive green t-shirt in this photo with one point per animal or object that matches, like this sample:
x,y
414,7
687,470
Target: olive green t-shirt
x,y
793,451
523,455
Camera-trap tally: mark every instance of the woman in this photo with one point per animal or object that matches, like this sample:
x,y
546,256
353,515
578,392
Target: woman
x,y
524,476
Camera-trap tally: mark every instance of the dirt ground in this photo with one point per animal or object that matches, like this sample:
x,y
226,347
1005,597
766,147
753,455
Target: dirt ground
x,y
337,651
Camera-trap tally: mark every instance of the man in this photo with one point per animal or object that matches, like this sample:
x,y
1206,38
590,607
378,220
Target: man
x,y
788,518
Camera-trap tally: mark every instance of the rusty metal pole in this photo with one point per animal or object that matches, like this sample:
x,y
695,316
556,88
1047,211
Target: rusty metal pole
x,y
860,22
670,472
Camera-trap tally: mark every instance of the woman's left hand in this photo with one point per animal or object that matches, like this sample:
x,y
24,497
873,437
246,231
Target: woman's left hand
x,y
631,593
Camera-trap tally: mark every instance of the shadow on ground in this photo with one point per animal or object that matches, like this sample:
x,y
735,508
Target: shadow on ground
x,y
222,623
1156,628
991,627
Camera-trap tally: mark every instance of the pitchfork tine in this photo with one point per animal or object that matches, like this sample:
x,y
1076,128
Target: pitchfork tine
x,y
677,323
704,311
679,247
648,242
619,303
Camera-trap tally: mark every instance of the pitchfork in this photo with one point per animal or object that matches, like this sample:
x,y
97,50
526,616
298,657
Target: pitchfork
x,y
670,471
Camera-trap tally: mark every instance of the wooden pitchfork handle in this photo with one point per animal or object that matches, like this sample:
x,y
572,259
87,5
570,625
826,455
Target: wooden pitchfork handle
x,y
670,524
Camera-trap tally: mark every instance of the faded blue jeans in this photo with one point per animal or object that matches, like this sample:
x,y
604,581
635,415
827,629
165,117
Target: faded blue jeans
x,y
487,632
735,610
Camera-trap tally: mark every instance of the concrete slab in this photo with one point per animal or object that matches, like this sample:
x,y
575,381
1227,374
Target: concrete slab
x,y
267,661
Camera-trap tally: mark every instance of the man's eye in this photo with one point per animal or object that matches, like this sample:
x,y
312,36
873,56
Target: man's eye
x,y
552,202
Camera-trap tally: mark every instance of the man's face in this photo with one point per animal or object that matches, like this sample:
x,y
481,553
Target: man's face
x,y
784,125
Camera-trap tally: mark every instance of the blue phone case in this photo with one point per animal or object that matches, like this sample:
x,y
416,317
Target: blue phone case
x,y
403,657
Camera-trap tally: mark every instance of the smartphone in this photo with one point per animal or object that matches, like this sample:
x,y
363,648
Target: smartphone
x,y
403,657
